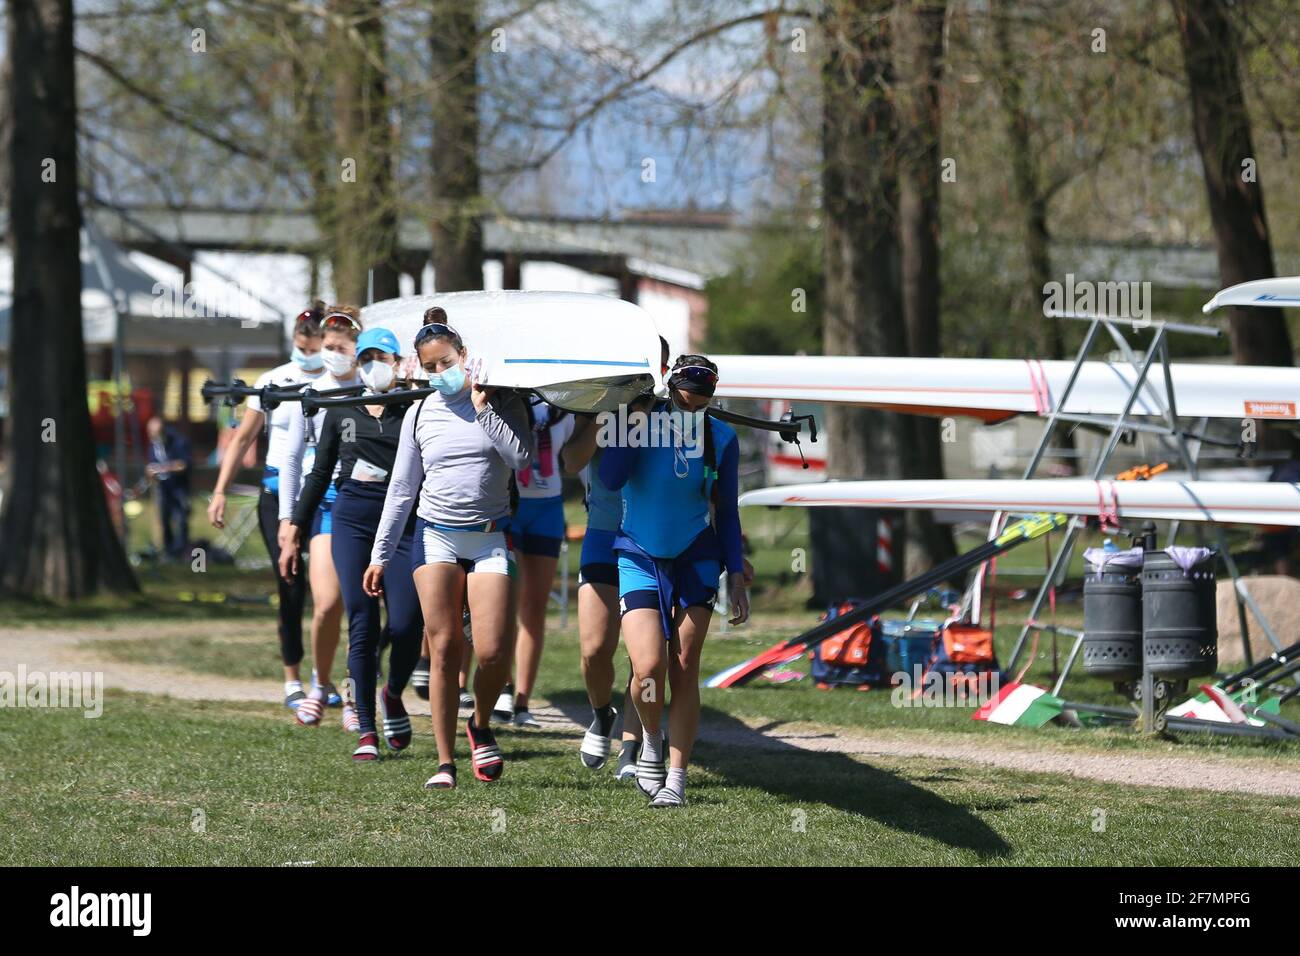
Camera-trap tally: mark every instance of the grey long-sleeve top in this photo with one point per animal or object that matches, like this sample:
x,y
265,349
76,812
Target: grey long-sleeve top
x,y
459,460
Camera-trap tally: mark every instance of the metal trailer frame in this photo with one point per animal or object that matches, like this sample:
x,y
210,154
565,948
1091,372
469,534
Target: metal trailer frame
x,y
1153,694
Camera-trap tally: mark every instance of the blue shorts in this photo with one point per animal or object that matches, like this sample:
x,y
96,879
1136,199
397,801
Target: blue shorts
x,y
599,563
537,526
638,587
322,521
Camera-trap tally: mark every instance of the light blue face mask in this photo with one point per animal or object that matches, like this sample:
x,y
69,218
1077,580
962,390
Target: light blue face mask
x,y
308,363
449,382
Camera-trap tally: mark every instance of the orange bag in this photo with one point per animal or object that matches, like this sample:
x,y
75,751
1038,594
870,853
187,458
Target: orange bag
x,y
849,648
968,645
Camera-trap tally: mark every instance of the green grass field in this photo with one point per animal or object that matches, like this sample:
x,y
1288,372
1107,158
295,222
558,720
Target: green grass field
x,y
158,781
154,783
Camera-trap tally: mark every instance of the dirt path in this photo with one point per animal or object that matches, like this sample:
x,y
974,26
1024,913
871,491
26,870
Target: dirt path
x,y
65,649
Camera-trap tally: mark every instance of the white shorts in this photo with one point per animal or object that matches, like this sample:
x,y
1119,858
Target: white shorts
x,y
475,551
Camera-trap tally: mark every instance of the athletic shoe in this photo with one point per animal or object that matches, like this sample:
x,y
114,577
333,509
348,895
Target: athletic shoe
x,y
444,779
332,696
397,723
351,719
627,761
295,698
668,797
420,678
368,748
485,755
595,743
505,705
466,700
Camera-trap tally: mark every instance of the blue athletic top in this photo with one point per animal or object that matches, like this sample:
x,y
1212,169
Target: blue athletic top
x,y
664,511
604,507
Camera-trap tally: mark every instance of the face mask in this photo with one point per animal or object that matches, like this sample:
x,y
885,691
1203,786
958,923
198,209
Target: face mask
x,y
336,363
449,382
377,375
308,363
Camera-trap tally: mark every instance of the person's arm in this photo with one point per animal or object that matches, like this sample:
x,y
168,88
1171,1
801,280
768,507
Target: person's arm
x,y
616,464
291,472
408,468
728,511
581,446
245,436
318,482
181,455
506,422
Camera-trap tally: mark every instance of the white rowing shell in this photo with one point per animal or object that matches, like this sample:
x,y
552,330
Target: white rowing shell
x,y
1225,502
996,389
583,351
1283,292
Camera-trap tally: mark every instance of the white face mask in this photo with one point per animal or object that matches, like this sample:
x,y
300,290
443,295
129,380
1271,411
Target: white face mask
x,y
337,363
376,375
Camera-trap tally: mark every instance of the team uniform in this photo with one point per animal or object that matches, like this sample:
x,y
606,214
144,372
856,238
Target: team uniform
x,y
537,526
302,435
358,469
670,550
599,563
292,593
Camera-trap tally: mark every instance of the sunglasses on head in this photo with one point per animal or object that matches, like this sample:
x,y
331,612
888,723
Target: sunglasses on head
x,y
338,320
432,329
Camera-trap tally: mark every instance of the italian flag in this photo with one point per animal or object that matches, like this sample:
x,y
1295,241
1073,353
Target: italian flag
x,y
1213,704
1020,704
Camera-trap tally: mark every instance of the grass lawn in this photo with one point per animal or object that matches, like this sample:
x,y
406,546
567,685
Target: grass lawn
x,y
157,781
153,783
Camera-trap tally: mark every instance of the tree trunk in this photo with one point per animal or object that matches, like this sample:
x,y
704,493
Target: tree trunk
x,y
920,43
59,541
863,312
1026,183
1222,127
364,226
457,228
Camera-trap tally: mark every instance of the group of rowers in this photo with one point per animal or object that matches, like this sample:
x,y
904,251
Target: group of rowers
x,y
449,508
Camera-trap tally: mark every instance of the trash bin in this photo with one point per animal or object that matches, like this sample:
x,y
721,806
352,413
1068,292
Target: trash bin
x,y
1179,626
1112,613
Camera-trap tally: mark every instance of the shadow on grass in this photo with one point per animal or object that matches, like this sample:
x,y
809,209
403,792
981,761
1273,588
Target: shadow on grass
x,y
747,757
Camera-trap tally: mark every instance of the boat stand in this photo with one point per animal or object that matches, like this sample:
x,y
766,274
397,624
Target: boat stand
x,y
1153,695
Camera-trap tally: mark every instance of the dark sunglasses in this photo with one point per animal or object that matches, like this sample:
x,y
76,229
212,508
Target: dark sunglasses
x,y
696,374
435,328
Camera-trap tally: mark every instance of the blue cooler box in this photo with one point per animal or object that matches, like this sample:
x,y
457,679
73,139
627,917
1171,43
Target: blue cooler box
x,y
908,643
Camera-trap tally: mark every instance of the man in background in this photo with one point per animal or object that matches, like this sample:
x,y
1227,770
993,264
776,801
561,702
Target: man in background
x,y
169,468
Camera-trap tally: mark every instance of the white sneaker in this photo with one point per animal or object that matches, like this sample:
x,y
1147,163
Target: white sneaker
x,y
525,719
466,701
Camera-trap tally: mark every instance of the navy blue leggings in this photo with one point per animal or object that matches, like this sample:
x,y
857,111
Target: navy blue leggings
x,y
356,518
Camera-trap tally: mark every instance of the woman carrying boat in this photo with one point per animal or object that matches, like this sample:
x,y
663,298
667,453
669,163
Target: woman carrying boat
x,y
359,445
598,623
340,328
305,366
536,532
457,451
681,526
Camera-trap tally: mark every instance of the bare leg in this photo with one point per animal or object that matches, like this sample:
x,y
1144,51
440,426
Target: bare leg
x,y
644,637
441,588
692,625
327,607
536,575
598,635
492,608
